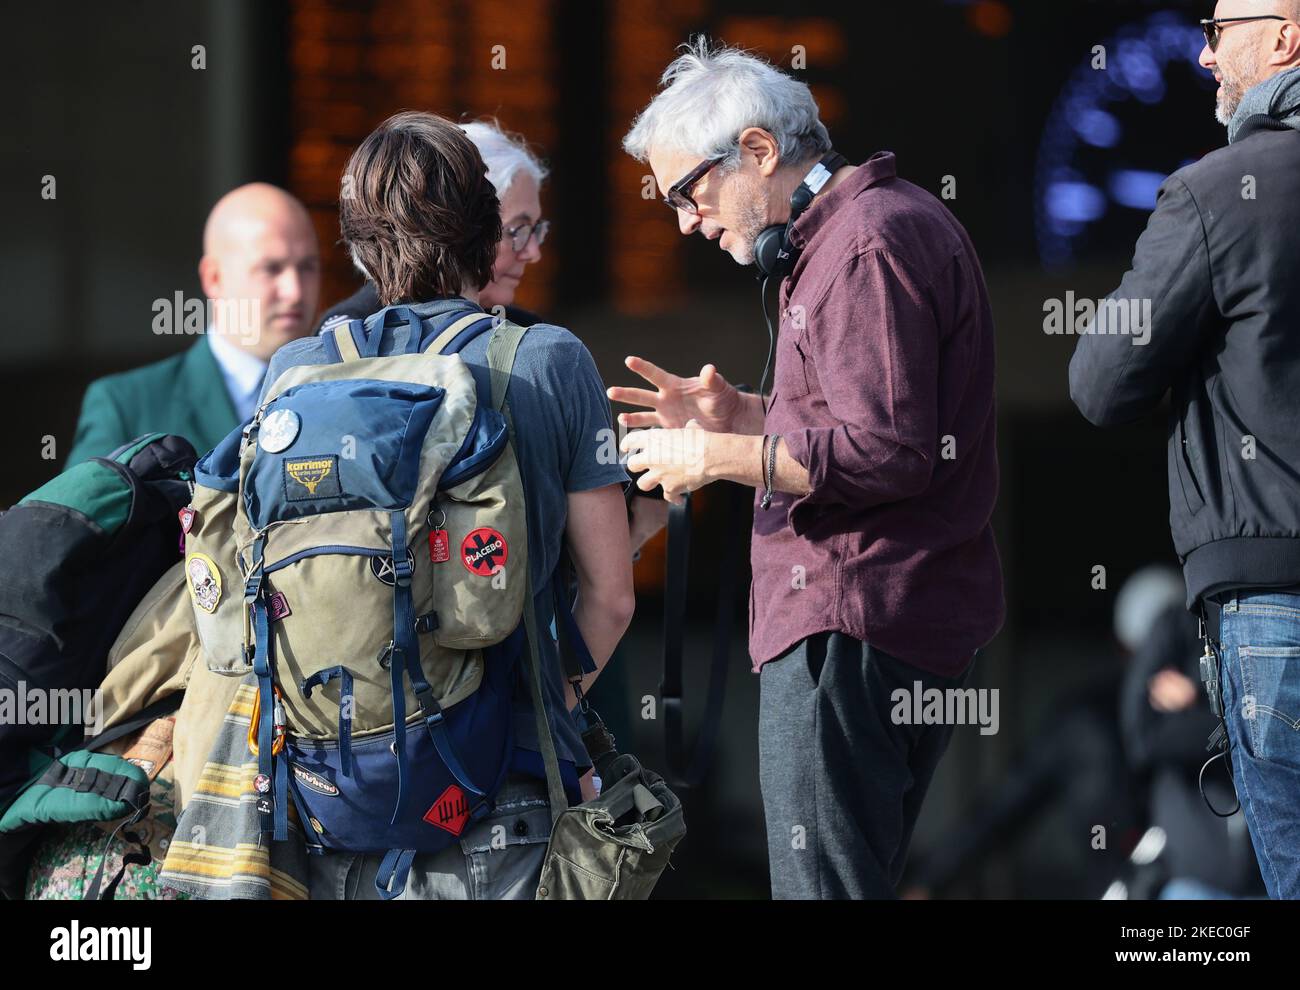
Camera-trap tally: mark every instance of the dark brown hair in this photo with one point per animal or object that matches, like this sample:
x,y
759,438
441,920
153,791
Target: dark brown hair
x,y
417,210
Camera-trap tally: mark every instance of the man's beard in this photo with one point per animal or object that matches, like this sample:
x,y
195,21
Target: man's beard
x,y
1231,92
750,222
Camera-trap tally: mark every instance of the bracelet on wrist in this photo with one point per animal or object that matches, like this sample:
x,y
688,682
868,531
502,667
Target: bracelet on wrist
x,y
769,476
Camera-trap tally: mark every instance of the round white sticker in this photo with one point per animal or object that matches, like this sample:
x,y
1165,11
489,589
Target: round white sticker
x,y
278,431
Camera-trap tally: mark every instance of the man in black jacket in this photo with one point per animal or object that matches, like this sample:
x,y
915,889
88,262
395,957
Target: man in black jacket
x,y
1217,275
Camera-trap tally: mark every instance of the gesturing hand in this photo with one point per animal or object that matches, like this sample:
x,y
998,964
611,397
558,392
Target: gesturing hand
x,y
677,460
706,398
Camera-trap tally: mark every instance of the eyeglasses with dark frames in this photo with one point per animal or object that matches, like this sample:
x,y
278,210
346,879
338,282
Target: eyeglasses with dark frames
x,y
1213,26
519,235
679,196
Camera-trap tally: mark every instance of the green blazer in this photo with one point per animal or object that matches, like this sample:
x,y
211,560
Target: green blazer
x,y
184,394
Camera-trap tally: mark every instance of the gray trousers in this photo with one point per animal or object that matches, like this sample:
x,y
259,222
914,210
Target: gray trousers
x,y
497,858
842,783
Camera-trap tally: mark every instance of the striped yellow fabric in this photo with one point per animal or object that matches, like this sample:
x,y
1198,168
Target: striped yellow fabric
x,y
216,852
246,861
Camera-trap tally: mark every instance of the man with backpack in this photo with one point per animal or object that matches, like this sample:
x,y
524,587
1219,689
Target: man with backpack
x,y
517,175
392,494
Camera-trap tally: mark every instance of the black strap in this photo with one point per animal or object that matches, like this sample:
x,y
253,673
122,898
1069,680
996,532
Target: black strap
x,y
157,710
688,770
88,780
562,583
1220,743
142,857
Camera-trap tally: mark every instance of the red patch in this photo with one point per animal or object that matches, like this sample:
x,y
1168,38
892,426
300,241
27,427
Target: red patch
x,y
484,551
450,812
439,546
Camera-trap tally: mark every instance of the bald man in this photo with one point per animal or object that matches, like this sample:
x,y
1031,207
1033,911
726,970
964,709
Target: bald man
x,y
1209,313
261,274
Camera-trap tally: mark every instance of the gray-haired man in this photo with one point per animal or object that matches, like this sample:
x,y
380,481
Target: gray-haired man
x,y
875,569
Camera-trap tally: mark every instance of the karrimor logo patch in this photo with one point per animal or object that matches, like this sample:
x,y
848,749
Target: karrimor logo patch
x,y
311,477
484,551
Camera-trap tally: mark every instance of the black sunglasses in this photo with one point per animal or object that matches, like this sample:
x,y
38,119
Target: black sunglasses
x,y
679,196
1212,26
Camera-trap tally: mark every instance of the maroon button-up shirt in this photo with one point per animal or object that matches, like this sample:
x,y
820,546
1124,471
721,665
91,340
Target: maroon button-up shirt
x,y
883,390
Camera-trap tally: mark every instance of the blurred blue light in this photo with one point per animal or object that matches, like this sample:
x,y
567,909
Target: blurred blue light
x,y
1066,228
1150,93
1135,189
1075,202
1084,115
1098,128
1136,60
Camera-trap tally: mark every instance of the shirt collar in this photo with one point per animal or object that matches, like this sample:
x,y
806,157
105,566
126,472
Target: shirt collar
x,y
880,167
436,307
244,369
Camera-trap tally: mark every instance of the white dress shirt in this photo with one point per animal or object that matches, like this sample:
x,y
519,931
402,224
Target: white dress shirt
x,y
242,373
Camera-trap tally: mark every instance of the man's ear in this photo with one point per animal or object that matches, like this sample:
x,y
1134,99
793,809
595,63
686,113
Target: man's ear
x,y
1287,50
210,276
1286,47
760,146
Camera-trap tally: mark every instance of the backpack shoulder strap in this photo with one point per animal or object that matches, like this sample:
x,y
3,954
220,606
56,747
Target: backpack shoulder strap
x,y
455,327
344,339
502,347
346,334
556,797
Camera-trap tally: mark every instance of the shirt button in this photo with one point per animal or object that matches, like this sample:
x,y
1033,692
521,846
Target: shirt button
x,y
521,827
541,891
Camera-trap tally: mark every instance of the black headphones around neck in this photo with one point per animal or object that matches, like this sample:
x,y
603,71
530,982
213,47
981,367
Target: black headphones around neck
x,y
773,252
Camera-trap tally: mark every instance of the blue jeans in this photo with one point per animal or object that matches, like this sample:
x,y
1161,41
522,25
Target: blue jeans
x,y
498,858
1260,680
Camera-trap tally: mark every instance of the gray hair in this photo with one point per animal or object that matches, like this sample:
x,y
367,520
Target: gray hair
x,y
710,95
506,155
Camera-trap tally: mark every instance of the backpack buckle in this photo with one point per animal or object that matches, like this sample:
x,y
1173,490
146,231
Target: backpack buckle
x,y
386,654
402,572
429,707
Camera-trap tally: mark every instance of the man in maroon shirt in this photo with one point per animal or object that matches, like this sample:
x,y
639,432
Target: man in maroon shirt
x,y
876,575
